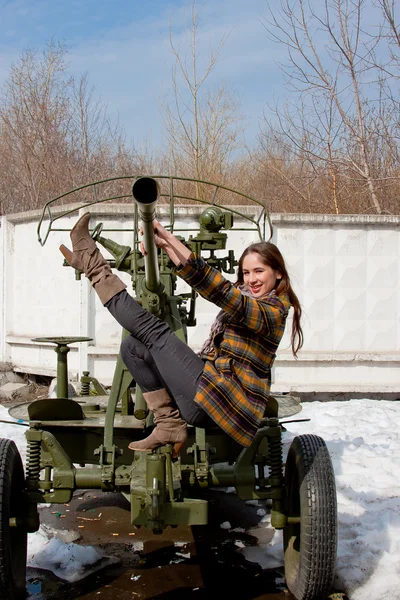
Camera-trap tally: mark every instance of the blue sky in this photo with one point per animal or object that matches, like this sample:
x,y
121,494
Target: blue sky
x,y
123,46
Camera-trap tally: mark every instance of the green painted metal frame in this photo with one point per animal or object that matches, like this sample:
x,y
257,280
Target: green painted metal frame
x,y
156,506
259,224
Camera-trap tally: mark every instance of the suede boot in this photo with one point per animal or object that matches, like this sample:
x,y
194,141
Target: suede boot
x,y
86,257
170,427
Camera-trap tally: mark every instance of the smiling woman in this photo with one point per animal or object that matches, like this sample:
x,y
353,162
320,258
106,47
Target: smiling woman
x,y
229,383
259,277
262,269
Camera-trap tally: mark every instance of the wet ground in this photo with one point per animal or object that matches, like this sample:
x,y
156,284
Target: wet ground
x,y
182,563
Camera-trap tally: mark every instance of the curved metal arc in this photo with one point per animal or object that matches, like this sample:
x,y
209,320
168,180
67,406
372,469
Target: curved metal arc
x,y
68,212
232,210
46,209
81,187
217,185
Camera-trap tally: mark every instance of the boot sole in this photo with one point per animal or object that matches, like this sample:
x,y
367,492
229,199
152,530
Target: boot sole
x,y
70,257
67,254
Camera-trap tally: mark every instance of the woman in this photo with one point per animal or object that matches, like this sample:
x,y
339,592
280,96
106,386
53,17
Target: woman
x,y
229,382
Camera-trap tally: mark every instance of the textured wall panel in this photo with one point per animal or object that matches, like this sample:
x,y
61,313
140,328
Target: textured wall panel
x,y
345,271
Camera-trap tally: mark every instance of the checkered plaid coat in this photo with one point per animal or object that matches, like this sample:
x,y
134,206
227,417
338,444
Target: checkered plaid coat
x,y
236,380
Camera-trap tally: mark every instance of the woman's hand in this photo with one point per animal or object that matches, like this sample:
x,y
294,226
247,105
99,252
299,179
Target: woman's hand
x,y
166,240
160,237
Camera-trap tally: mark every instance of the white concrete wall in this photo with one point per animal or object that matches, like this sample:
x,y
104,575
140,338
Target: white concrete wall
x,y
345,269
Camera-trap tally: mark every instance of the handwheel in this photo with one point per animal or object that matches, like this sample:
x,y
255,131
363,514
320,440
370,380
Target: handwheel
x,y
97,230
310,536
13,537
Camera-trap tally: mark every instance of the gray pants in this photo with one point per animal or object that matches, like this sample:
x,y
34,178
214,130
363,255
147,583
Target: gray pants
x,y
157,358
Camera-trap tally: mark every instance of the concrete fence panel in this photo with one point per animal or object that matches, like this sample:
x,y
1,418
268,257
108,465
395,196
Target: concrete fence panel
x,y
345,270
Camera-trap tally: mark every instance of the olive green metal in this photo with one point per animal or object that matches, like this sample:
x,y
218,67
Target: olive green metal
x,y
260,225
119,252
121,383
199,452
123,477
188,511
63,469
278,515
88,478
146,192
126,402
293,520
60,409
242,474
63,473
97,435
87,381
213,219
155,490
62,370
153,479
107,465
153,293
83,444
33,453
46,484
170,482
140,411
276,479
62,349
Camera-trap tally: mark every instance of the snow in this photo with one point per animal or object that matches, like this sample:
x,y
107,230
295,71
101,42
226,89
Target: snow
x,y
70,561
363,438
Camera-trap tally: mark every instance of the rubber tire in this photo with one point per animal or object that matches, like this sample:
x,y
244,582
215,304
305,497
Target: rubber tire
x,y
310,546
13,540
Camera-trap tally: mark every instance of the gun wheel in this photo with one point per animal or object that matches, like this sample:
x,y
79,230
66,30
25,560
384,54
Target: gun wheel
x,y
13,540
310,537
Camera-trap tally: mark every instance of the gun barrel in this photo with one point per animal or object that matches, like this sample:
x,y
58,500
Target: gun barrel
x,y
145,192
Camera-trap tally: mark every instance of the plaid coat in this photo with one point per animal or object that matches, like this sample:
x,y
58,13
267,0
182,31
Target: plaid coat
x,y
236,381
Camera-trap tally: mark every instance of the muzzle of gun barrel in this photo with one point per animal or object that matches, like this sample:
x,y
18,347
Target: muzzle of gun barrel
x,y
145,191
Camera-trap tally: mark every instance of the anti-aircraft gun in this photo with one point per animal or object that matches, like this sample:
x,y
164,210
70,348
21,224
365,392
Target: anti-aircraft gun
x,y
93,431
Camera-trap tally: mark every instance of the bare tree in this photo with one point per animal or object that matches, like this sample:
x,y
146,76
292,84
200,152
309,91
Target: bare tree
x,y
33,121
392,29
309,134
332,63
202,124
390,91
55,134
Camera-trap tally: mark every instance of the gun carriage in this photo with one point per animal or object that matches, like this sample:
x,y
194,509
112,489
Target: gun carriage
x,y
64,432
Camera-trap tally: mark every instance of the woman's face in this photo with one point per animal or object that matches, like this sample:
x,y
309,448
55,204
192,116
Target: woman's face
x,y
258,277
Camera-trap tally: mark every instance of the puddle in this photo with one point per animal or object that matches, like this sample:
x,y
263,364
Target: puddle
x,y
205,562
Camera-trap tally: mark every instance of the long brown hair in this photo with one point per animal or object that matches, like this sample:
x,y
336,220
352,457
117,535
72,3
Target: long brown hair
x,y
271,256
